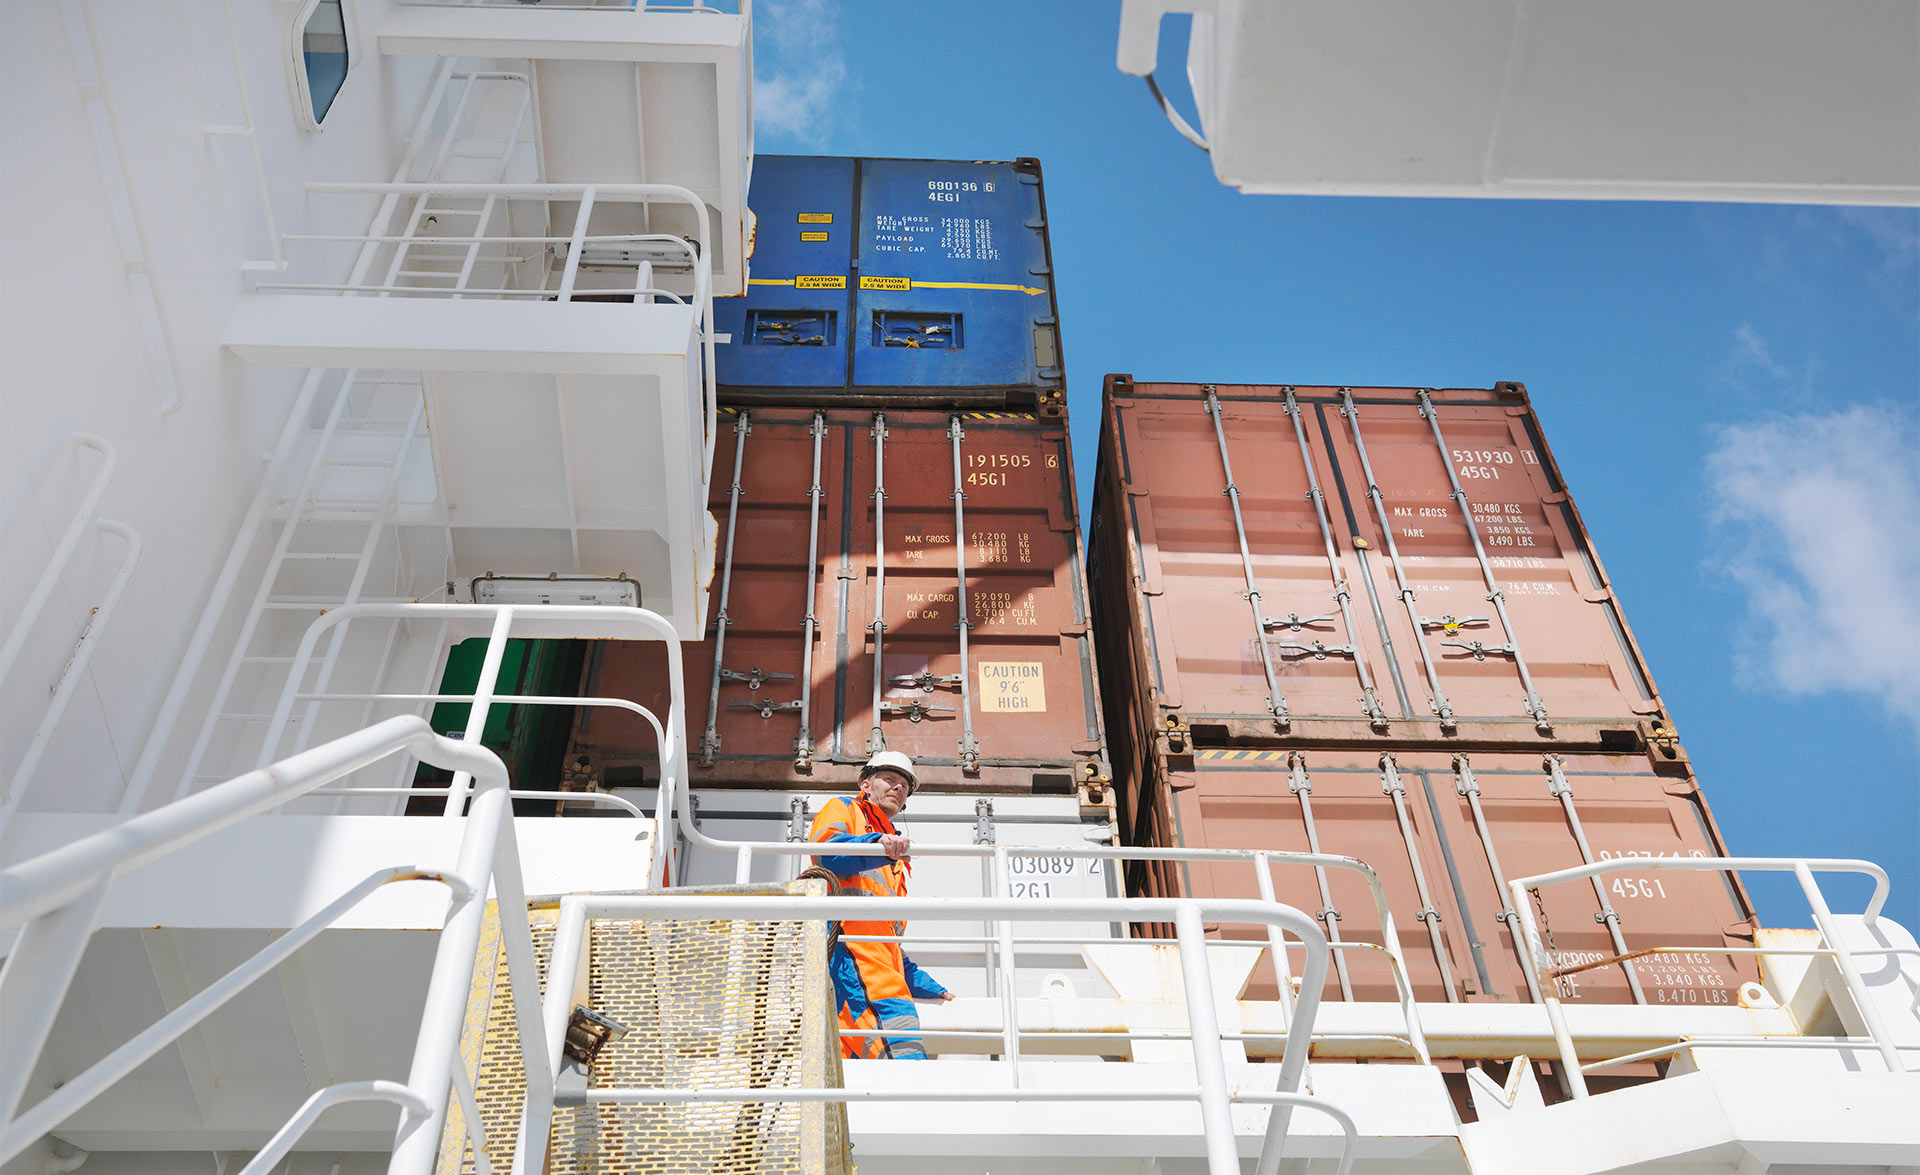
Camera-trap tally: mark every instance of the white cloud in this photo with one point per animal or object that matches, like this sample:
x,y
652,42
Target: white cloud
x,y
1751,351
1822,515
800,73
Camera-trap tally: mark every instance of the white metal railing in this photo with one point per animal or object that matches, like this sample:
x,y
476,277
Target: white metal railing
x,y
56,899
259,512
636,6
63,552
1001,855
14,788
507,251
248,130
1210,1089
373,513
1803,868
582,621
136,249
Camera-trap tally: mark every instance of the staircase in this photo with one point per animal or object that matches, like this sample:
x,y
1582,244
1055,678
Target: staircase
x,y
337,545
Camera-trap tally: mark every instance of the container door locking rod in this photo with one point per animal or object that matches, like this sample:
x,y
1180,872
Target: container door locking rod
x,y
1369,700
877,740
1300,785
1495,596
1560,789
803,742
1276,704
969,747
1468,786
1440,704
1391,784
710,741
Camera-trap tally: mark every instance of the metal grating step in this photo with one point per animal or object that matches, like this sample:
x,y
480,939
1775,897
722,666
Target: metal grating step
x,y
708,1004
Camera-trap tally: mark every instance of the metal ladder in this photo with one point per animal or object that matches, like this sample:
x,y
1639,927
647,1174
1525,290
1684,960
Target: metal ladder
x,y
351,483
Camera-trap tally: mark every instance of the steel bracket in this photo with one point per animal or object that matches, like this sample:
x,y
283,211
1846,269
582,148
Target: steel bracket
x,y
914,711
755,677
766,706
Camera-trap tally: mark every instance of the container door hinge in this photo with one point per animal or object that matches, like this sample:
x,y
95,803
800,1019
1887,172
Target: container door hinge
x,y
799,819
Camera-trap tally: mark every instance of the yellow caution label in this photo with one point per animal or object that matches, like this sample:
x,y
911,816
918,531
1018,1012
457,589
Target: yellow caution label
x,y
885,283
816,218
813,236
1009,687
828,281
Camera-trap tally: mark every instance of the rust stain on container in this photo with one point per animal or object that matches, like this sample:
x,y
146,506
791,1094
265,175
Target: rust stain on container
x,y
1419,650
1029,671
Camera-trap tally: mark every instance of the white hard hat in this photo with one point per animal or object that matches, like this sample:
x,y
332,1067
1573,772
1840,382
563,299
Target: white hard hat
x,y
894,760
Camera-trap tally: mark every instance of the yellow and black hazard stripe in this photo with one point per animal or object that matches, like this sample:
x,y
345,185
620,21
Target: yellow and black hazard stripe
x,y
730,410
835,281
1231,755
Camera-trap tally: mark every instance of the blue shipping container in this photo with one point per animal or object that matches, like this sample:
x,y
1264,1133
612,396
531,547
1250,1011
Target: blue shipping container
x,y
895,281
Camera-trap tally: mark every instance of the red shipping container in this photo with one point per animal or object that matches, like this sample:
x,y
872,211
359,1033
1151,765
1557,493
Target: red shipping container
x,y
791,646
1451,917
1411,560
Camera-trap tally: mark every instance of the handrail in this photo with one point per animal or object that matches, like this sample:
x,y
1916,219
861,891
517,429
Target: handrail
x,y
15,789
188,670
1390,943
1801,867
323,1100
619,623
136,249
1187,914
57,1106
58,897
599,798
587,194
57,562
250,132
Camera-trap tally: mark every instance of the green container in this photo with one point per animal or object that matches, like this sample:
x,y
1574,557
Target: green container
x,y
531,740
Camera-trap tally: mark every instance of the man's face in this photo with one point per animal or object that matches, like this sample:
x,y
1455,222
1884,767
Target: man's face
x,y
887,789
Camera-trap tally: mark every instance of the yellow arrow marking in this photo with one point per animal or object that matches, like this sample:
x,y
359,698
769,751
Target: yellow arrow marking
x,y
917,284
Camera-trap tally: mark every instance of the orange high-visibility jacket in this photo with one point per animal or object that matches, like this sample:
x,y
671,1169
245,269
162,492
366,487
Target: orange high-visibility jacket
x,y
889,980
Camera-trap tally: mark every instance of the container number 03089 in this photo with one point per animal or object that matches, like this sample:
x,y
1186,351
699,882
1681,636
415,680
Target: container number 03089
x,y
1032,876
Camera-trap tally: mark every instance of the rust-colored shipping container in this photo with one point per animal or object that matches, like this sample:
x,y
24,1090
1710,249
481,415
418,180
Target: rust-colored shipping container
x,y
1360,567
1411,816
1369,622
839,528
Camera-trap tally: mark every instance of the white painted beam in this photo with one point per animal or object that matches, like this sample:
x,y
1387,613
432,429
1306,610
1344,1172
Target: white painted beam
x,y
432,334
296,987
170,974
559,34
294,865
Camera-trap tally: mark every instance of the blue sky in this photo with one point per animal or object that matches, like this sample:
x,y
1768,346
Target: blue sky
x,y
1731,390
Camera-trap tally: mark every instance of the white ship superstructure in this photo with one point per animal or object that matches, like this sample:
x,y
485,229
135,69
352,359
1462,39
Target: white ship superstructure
x,y
340,331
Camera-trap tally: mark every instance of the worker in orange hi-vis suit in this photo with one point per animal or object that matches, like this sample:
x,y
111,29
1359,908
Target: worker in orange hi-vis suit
x,y
888,982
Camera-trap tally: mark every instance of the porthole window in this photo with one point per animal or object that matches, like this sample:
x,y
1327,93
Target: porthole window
x,y
320,57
